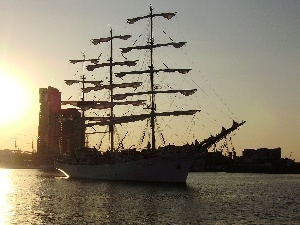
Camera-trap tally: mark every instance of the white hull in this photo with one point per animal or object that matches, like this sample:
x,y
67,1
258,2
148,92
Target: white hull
x,y
167,168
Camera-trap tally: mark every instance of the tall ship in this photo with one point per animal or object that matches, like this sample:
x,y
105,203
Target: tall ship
x,y
149,158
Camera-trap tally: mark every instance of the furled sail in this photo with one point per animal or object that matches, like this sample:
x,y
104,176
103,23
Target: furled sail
x,y
183,92
103,121
97,41
174,44
110,86
94,82
182,71
165,15
73,61
124,63
85,105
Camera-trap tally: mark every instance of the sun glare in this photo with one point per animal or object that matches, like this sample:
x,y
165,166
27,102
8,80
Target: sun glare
x,y
5,189
14,98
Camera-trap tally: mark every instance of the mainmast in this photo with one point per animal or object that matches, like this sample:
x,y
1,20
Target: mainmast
x,y
151,71
152,119
111,126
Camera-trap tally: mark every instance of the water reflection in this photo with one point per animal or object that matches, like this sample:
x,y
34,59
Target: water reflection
x,y
144,203
84,201
6,189
35,197
18,196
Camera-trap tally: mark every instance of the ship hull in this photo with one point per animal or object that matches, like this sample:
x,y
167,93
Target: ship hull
x,y
170,168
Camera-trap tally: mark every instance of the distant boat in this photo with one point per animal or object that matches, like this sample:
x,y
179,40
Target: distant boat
x,y
168,163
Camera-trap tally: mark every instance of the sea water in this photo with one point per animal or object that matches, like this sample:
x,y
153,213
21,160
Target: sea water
x,y
41,197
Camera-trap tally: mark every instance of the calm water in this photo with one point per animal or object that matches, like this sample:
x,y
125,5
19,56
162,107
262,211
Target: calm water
x,y
36,197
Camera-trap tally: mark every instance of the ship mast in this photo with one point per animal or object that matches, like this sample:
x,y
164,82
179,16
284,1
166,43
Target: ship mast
x,y
151,71
115,99
152,119
111,126
81,81
83,85
83,78
111,85
109,119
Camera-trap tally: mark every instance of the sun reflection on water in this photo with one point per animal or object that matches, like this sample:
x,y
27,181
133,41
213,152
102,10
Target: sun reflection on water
x,y
5,189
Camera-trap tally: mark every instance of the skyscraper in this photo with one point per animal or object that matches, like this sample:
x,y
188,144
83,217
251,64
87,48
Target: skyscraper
x,y
49,126
60,131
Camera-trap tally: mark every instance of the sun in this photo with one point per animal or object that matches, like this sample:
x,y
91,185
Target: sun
x,y
13,98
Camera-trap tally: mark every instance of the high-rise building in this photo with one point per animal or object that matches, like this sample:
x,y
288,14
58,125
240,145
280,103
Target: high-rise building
x,y
60,131
49,126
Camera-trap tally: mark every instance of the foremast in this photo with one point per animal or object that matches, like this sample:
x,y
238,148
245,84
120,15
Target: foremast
x,y
82,81
98,85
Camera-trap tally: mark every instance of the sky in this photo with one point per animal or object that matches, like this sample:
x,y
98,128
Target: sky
x,y
246,52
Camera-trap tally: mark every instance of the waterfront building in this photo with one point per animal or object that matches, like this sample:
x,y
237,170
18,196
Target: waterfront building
x,y
49,126
15,159
262,156
72,131
60,131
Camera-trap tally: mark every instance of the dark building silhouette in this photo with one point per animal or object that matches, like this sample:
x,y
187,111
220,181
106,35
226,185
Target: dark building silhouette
x,y
60,131
15,159
49,126
72,131
262,155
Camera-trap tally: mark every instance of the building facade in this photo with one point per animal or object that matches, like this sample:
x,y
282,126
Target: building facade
x,y
72,131
49,126
262,155
60,131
